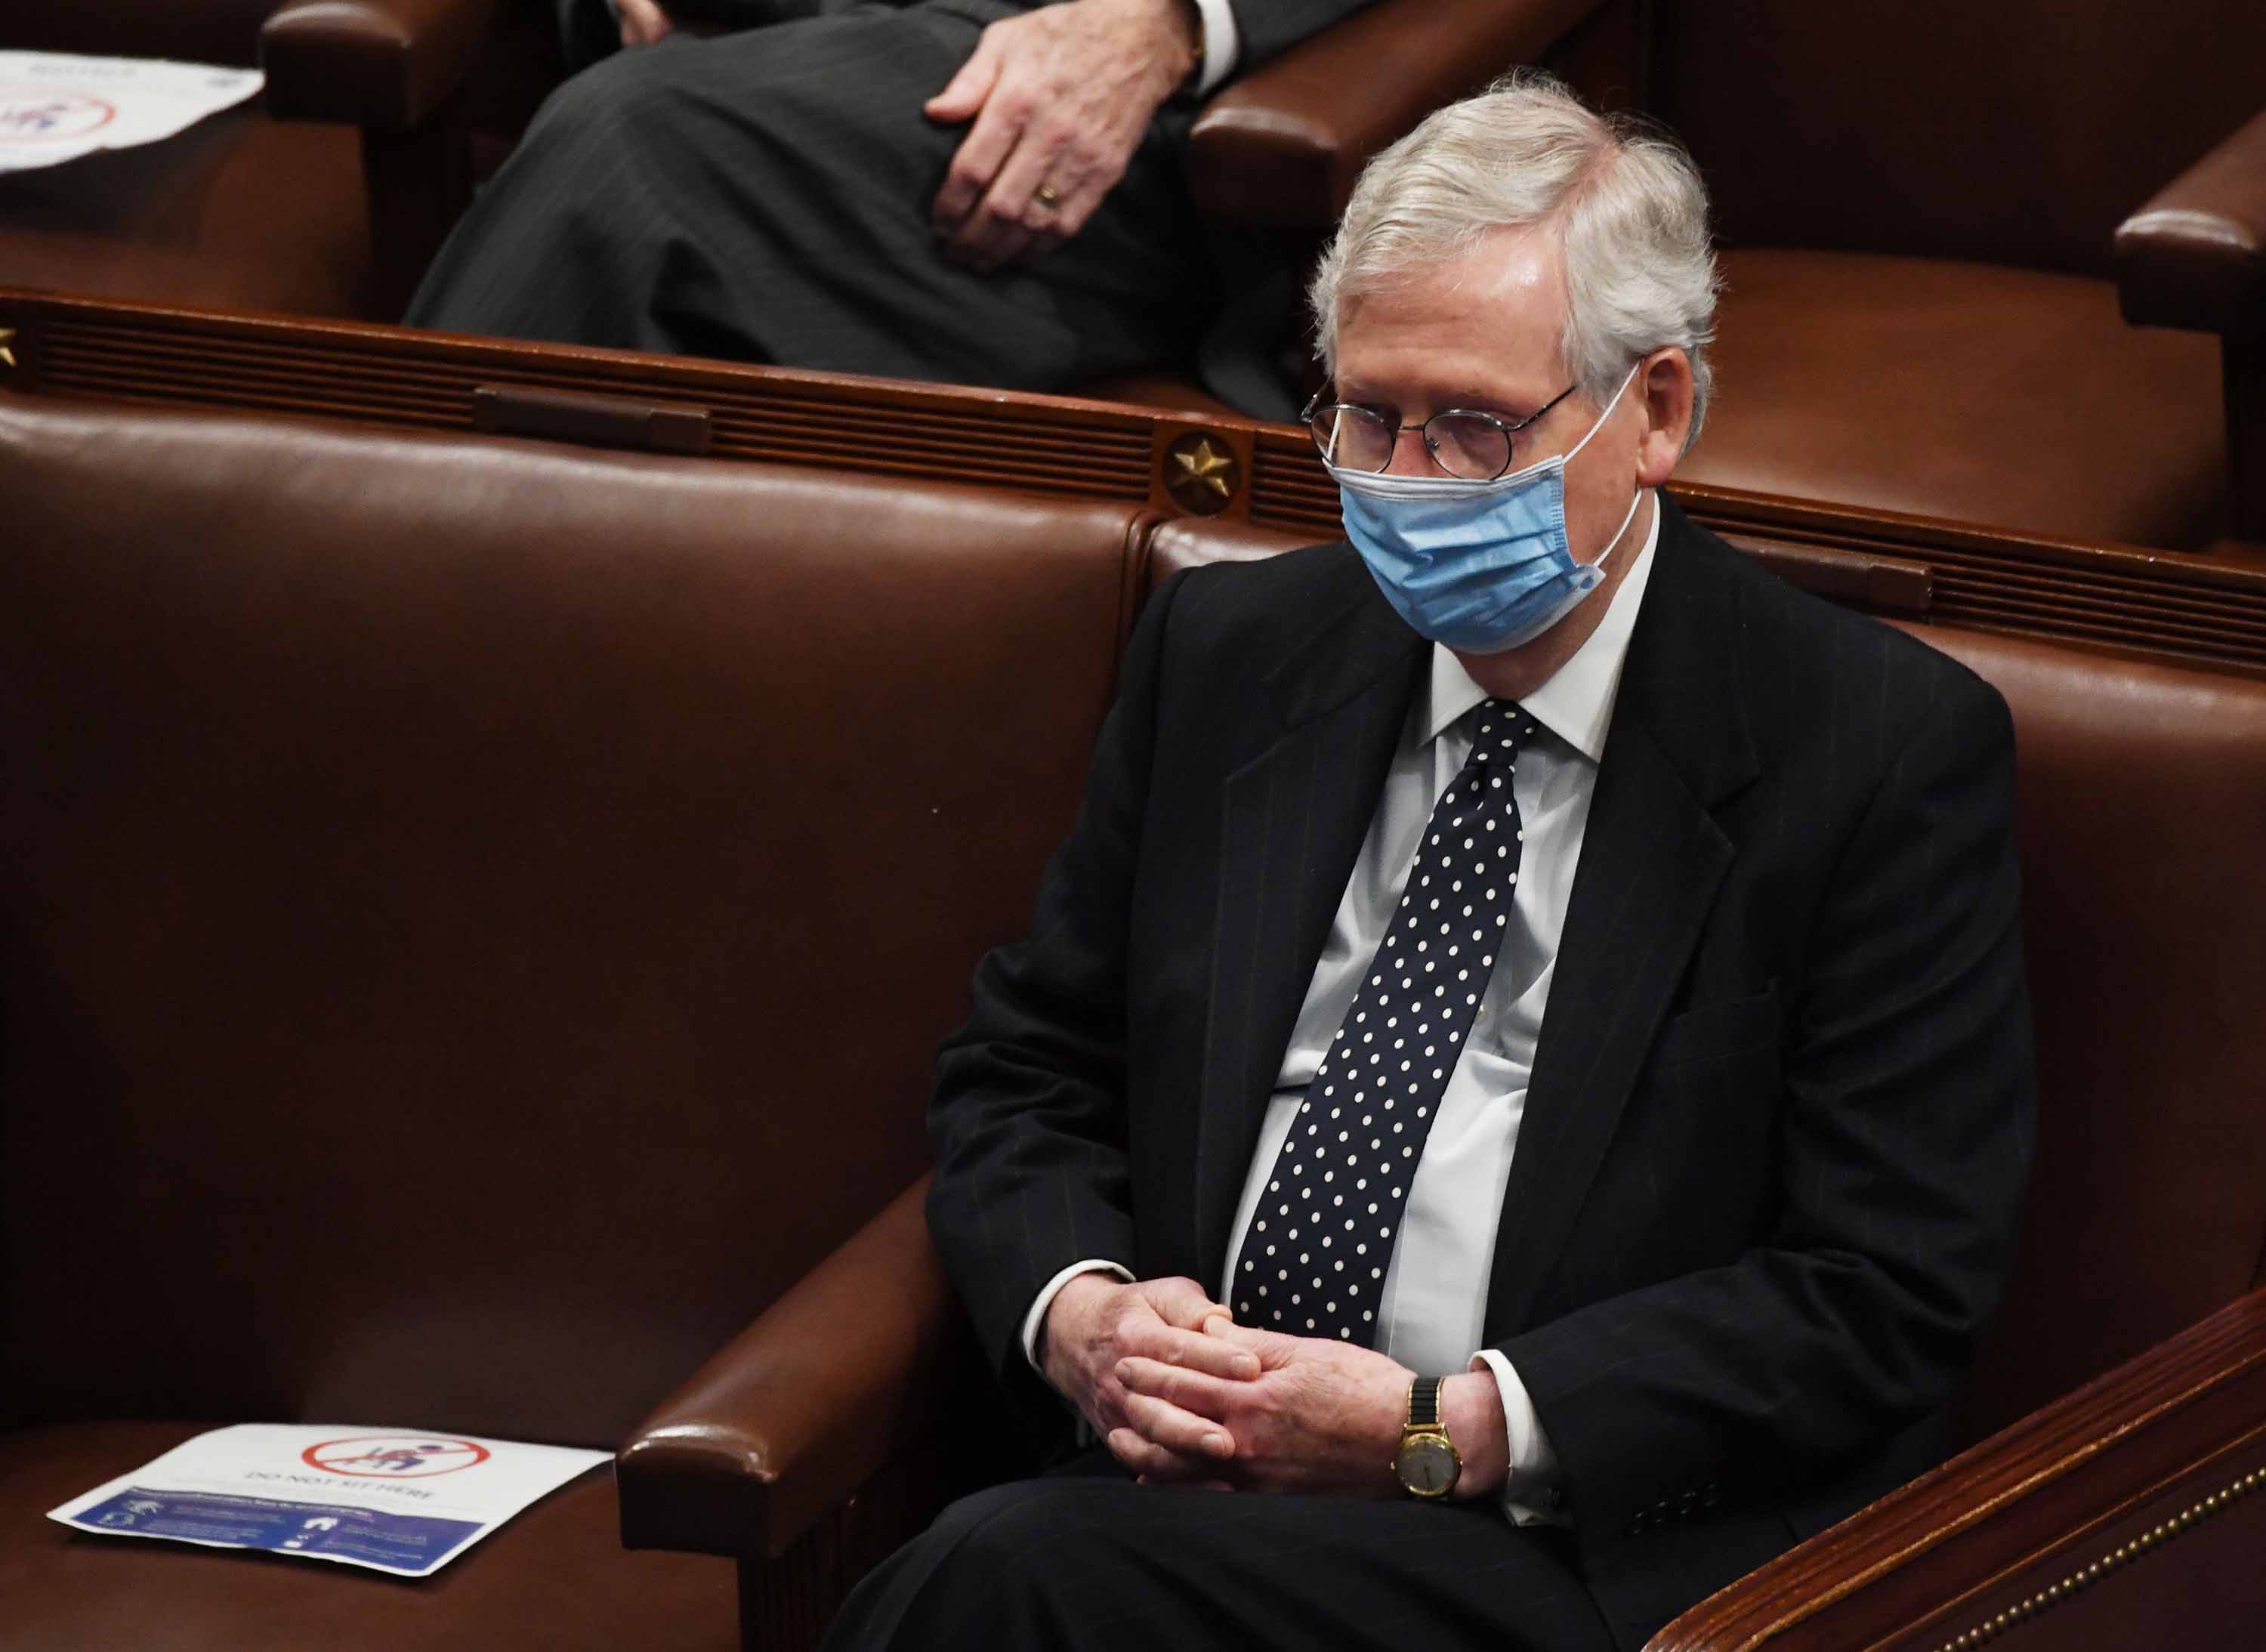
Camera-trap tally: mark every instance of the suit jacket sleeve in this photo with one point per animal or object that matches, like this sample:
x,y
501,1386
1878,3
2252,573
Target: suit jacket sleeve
x,y
1268,28
1904,1145
1027,1124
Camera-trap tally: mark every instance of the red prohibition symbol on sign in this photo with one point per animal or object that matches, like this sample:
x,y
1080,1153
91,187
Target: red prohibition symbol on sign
x,y
35,117
394,1456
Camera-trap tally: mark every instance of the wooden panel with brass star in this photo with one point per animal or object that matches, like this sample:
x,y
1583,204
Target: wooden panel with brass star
x,y
1202,470
2207,609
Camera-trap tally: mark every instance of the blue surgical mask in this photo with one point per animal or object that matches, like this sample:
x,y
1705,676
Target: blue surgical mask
x,y
1481,567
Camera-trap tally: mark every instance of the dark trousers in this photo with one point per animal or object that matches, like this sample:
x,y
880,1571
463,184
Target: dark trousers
x,y
764,195
1093,1562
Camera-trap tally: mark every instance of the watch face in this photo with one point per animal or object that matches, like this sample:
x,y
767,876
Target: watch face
x,y
1426,1466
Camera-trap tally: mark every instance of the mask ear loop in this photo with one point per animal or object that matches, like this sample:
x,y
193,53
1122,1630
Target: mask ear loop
x,y
1613,544
1608,413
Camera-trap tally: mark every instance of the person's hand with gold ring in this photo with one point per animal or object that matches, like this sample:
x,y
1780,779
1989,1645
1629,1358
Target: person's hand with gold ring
x,y
1057,99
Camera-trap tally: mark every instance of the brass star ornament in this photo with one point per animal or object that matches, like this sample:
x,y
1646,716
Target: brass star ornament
x,y
1201,474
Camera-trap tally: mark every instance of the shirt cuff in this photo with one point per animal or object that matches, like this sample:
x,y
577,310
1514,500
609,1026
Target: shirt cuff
x,y
1531,1492
1036,1318
1221,45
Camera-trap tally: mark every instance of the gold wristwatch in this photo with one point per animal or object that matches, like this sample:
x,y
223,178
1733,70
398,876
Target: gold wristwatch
x,y
1428,1464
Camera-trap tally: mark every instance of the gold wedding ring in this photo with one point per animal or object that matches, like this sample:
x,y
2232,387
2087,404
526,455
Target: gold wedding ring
x,y
1045,195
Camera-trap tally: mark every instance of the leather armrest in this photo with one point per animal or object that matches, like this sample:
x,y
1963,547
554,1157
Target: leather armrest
x,y
803,1407
1282,147
2195,256
382,64
2135,1486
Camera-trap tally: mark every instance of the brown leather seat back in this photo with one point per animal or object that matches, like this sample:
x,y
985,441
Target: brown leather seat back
x,y
2012,131
476,918
2142,816
2142,810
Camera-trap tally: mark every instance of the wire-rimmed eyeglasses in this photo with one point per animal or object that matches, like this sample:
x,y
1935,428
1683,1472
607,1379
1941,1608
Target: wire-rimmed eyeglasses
x,y
1467,443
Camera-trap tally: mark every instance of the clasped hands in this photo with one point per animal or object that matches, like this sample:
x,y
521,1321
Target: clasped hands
x,y
1183,1395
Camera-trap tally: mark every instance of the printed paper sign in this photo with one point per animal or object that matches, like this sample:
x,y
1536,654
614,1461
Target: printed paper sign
x,y
55,107
393,1500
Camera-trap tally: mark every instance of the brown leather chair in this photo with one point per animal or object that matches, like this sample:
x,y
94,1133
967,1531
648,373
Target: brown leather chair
x,y
1924,266
475,921
2142,819
385,789
324,196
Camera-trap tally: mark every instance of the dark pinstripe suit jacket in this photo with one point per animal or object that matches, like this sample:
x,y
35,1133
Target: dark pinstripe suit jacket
x,y
1778,1125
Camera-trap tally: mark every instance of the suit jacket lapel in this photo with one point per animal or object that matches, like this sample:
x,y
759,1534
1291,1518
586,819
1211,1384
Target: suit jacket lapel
x,y
1293,821
1652,858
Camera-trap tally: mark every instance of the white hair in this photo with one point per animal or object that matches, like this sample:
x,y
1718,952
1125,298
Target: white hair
x,y
1624,199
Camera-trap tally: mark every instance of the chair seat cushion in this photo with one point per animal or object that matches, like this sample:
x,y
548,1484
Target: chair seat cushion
x,y
556,1577
239,212
2016,399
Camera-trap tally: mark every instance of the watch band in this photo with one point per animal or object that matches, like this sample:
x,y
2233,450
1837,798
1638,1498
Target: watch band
x,y
1424,1402
1428,1464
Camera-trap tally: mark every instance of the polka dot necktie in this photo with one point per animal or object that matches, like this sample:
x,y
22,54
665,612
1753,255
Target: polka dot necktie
x,y
1313,1262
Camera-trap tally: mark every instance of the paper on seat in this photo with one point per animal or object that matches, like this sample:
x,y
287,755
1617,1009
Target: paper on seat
x,y
55,107
391,1500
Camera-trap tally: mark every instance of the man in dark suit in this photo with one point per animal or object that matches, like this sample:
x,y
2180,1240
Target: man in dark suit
x,y
1519,1078
970,191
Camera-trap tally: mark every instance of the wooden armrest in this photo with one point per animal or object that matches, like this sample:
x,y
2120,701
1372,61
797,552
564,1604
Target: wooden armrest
x,y
2195,256
384,65
2119,1494
1282,148
803,1407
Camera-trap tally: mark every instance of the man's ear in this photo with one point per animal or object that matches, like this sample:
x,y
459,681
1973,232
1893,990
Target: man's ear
x,y
1665,391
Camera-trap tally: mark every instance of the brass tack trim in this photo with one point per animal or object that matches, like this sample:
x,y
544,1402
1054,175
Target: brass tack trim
x,y
2085,1576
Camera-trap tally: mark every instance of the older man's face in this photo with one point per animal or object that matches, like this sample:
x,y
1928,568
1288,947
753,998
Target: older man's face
x,y
1484,331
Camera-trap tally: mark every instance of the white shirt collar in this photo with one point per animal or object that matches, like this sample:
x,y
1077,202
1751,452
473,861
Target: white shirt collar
x,y
1575,702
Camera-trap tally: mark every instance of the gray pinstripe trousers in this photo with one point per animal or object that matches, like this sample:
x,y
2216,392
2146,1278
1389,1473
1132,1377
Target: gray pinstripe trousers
x,y
764,195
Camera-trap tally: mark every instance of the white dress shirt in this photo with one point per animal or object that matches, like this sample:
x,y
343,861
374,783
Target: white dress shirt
x,y
1436,1286
1222,44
